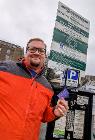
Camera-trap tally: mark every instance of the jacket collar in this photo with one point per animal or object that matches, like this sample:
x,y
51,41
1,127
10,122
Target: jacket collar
x,y
23,65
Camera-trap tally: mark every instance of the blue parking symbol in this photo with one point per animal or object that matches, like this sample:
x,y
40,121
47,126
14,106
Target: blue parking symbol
x,y
72,74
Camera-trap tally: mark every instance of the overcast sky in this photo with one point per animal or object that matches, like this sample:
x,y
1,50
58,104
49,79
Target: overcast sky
x,y
21,20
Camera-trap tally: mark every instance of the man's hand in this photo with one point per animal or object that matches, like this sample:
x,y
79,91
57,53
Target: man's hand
x,y
61,108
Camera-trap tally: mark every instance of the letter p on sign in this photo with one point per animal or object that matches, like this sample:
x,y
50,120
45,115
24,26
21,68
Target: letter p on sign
x,y
72,75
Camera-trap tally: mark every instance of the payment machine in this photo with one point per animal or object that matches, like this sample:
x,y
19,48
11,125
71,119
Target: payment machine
x,y
76,124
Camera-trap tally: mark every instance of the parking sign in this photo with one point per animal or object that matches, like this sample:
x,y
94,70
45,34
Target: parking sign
x,y
72,79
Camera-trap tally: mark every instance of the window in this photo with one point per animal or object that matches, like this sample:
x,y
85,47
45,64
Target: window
x,y
8,51
7,57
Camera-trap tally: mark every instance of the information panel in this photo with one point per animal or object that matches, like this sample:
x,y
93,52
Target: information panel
x,y
70,41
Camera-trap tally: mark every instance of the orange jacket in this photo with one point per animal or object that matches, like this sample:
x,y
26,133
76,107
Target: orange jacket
x,y
24,102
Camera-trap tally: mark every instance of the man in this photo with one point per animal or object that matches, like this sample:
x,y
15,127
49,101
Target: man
x,y
25,95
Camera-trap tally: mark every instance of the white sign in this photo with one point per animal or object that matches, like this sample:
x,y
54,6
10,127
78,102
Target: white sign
x,y
69,43
79,124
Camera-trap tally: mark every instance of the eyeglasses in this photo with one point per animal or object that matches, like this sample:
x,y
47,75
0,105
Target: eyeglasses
x,y
34,49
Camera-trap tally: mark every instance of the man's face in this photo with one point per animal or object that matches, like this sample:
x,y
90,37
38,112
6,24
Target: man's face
x,y
36,53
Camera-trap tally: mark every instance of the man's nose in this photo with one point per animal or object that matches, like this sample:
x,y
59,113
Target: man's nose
x,y
37,51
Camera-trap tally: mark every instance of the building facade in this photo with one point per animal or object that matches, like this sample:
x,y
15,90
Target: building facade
x,y
9,51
